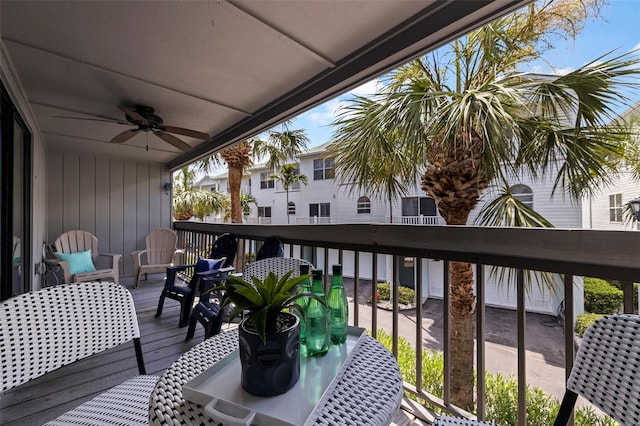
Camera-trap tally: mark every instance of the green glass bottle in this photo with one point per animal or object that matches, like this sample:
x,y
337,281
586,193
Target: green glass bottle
x,y
317,318
303,302
337,303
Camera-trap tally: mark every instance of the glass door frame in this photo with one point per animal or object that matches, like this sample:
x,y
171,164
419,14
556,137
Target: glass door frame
x,y
9,117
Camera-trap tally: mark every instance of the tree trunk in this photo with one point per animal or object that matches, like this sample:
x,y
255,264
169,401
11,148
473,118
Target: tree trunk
x,y
287,210
462,336
455,180
235,180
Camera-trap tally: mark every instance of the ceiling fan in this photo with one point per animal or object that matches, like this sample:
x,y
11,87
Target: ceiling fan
x,y
146,120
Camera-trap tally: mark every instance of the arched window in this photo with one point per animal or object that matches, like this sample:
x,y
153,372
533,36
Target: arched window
x,y
364,205
524,194
291,208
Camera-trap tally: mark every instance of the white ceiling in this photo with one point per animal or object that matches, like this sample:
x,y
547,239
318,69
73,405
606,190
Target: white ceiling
x,y
226,68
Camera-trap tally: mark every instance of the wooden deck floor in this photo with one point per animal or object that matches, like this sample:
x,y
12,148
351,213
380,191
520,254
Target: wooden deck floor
x,y
46,398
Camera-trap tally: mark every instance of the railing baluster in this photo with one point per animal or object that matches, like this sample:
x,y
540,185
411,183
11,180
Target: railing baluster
x,y
394,300
627,297
374,292
418,289
480,339
522,354
446,338
569,349
356,287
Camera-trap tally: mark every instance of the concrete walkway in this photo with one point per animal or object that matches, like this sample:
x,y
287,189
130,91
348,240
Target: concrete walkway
x,y
544,338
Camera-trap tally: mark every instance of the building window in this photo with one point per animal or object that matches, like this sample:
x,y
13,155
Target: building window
x,y
265,182
264,211
364,205
323,168
615,208
291,208
418,206
320,210
524,194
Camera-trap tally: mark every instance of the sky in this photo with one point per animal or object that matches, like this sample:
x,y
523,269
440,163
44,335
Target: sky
x,y
618,29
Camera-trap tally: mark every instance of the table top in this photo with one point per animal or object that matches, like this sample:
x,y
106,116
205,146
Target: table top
x,y
369,392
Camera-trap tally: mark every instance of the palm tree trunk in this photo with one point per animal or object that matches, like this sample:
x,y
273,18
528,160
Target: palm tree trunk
x,y
287,205
235,180
462,336
390,208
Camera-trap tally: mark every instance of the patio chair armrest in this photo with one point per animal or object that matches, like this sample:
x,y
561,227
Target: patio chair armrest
x,y
65,268
216,271
179,268
178,256
115,258
137,258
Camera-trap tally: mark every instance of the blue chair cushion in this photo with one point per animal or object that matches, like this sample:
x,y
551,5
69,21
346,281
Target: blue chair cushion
x,y
78,262
206,265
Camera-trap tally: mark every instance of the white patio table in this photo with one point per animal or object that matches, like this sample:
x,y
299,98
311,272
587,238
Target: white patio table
x,y
369,392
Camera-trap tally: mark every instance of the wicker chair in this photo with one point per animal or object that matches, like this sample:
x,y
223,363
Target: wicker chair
x,y
44,330
606,372
278,265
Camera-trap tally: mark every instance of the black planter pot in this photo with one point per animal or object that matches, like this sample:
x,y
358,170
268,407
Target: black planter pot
x,y
271,369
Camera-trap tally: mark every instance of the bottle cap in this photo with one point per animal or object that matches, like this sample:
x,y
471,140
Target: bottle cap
x,y
304,269
316,274
337,269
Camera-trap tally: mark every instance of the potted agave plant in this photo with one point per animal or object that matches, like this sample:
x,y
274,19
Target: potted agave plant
x,y
269,334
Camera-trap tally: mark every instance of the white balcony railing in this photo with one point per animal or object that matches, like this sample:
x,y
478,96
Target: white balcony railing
x,y
418,220
313,220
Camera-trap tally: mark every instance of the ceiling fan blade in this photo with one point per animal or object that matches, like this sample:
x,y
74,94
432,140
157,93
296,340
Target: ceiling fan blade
x,y
183,146
124,136
93,119
133,114
186,132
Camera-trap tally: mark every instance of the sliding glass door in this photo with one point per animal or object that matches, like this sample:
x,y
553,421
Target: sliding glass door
x,y
15,201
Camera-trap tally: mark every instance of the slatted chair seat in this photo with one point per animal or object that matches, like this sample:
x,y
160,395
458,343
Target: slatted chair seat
x,y
606,372
47,329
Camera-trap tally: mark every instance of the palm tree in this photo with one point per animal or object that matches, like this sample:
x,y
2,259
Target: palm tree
x,y
373,164
189,201
279,146
245,202
472,119
289,175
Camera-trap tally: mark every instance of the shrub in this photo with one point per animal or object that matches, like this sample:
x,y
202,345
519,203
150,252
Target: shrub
x,y
384,290
501,392
600,297
502,397
583,321
405,294
618,285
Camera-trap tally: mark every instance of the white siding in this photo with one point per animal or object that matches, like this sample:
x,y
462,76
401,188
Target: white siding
x,y
597,208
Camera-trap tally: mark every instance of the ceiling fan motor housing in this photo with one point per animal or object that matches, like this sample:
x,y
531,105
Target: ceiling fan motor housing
x,y
153,121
